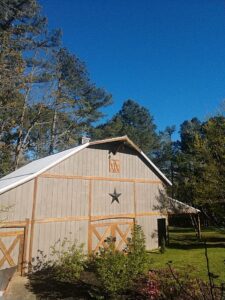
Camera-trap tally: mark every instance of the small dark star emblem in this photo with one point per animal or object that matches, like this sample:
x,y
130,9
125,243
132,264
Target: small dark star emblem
x,y
115,196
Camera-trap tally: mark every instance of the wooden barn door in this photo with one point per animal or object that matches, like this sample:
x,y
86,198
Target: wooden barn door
x,y
118,230
162,234
12,247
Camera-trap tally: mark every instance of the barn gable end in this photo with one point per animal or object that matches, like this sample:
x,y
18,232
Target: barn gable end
x,y
70,194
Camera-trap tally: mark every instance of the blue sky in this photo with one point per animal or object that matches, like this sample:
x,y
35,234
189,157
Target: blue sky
x,y
168,55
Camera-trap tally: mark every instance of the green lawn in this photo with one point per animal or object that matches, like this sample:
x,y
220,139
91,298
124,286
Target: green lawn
x,y
184,250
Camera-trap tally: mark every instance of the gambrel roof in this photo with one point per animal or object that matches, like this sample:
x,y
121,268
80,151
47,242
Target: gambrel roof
x,y
39,166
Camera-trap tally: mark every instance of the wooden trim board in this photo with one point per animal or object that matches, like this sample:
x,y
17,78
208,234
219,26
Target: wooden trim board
x,y
87,218
33,219
137,180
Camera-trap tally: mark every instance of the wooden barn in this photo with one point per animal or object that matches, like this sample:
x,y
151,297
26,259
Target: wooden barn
x,y
87,193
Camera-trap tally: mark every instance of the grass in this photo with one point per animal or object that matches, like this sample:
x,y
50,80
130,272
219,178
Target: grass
x,y
187,253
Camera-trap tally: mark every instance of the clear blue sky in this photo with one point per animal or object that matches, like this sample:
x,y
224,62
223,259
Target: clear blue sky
x,y
169,55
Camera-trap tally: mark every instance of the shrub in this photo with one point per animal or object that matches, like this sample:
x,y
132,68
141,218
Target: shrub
x,y
112,270
138,261
167,283
65,263
69,261
117,270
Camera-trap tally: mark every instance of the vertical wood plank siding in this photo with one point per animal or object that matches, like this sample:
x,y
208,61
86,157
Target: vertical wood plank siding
x,y
95,161
50,234
19,200
61,197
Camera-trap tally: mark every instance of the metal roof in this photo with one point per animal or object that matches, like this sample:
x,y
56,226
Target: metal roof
x,y
178,207
39,166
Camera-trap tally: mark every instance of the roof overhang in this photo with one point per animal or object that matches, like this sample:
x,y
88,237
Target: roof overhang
x,y
174,207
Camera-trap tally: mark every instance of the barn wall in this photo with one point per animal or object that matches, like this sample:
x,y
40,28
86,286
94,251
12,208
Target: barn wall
x,y
101,200
64,196
19,201
53,233
57,198
149,225
65,207
147,195
94,161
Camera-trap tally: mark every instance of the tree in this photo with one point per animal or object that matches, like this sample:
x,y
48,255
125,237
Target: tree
x,y
25,42
134,121
46,96
210,153
164,156
76,102
200,170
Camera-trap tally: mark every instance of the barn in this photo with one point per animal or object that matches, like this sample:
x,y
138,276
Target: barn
x,y
87,193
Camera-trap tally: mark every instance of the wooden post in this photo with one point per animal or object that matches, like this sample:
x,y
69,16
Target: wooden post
x,y
24,261
135,203
89,218
167,227
199,227
32,221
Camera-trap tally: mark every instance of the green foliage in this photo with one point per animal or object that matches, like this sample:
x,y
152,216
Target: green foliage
x,y
66,262
169,284
136,252
76,101
200,167
47,99
69,261
112,270
117,270
134,121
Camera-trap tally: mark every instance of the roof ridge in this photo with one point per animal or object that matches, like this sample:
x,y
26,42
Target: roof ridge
x,y
39,166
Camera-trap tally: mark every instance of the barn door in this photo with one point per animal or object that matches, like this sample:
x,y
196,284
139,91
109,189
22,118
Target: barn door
x,y
11,247
101,231
161,230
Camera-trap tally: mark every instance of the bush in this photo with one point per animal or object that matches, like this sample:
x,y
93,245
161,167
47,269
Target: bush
x,y
112,269
136,252
69,261
66,263
117,270
167,283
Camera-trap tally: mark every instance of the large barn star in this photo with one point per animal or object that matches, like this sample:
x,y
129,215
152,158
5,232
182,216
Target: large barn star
x,y
115,196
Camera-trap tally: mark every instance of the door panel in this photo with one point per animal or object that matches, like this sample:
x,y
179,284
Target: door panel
x,y
119,230
162,234
11,247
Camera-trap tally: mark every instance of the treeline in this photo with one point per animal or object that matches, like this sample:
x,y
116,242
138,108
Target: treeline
x,y
46,96
47,102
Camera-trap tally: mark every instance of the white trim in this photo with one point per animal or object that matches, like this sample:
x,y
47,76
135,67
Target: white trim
x,y
184,205
33,175
156,169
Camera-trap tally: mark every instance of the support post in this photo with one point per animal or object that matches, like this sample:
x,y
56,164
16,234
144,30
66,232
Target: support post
x,y
199,227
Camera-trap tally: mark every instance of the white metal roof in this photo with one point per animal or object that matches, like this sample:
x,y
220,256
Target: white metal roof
x,y
35,168
175,206
39,166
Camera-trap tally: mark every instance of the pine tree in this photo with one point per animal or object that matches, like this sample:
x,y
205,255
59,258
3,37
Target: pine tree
x,y
76,102
134,121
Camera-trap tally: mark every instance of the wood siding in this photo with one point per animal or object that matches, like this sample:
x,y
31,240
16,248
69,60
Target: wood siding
x,y
72,196
19,202
95,161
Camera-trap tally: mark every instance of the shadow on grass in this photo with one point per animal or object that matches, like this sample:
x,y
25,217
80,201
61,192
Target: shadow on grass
x,y
197,245
186,239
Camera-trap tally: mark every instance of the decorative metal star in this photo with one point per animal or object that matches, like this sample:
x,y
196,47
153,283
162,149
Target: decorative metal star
x,y
115,196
